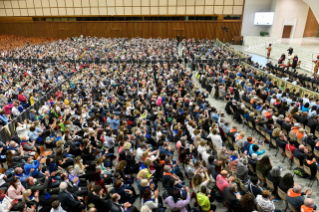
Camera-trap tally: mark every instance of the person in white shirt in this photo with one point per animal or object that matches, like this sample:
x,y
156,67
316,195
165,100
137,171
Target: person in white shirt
x,y
15,111
216,139
201,147
139,153
6,204
265,201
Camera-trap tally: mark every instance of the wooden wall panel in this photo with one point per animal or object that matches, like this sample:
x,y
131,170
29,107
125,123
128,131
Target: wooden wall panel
x,y
311,25
59,29
16,19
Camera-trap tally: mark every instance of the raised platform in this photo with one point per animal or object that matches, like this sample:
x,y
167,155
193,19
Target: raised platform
x,y
307,50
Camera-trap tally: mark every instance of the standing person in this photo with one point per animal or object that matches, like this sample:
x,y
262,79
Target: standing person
x,y
295,61
282,58
315,70
290,50
268,51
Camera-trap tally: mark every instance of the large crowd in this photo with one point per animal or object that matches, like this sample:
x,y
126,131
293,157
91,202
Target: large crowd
x,y
106,141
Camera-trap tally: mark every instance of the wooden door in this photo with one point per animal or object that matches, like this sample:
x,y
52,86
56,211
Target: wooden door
x,y
287,31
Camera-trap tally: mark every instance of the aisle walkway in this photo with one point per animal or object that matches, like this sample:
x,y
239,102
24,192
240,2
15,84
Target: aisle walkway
x,y
276,161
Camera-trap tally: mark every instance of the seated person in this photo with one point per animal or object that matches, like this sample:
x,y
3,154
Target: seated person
x,y
281,141
274,176
203,200
254,149
231,196
265,201
253,187
310,161
175,200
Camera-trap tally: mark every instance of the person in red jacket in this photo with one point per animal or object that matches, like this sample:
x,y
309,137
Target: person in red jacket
x,y
291,148
22,98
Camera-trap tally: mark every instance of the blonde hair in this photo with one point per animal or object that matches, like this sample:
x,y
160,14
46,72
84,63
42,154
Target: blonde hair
x,y
59,143
25,195
144,183
147,162
127,146
141,174
145,154
202,143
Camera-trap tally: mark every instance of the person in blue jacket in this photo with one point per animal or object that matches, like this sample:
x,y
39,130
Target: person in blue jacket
x,y
254,149
31,167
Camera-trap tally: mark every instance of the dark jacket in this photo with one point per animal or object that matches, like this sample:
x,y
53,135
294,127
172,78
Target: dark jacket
x,y
274,180
68,200
312,167
281,143
300,155
230,198
254,189
285,187
312,124
286,126
99,203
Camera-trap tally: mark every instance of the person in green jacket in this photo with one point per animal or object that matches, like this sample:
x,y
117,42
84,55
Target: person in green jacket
x,y
264,165
203,200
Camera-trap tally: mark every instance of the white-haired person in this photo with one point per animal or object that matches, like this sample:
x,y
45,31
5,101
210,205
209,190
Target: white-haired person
x,y
70,202
308,206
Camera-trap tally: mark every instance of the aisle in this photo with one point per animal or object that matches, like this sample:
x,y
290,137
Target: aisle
x,y
219,105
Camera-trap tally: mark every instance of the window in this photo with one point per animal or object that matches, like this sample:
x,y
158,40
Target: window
x,y
202,18
232,17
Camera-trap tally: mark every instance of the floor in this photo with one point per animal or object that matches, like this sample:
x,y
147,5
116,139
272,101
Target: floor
x,y
219,105
310,43
262,60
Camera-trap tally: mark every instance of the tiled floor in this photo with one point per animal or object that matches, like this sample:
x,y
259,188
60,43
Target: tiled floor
x,y
276,161
262,60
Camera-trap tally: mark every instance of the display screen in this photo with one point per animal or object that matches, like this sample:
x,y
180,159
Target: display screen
x,y
264,18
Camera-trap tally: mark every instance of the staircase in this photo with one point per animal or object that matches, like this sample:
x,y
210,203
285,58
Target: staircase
x,y
304,55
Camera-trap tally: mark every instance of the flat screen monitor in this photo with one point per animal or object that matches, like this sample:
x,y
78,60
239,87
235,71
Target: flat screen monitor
x,y
264,18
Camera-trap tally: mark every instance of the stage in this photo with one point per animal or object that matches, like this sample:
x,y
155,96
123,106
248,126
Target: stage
x,y
307,50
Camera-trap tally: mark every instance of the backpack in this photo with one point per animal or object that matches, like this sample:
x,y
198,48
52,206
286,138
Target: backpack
x,y
300,172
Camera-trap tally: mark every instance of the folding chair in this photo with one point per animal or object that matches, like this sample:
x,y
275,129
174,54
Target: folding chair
x,y
288,155
282,151
308,130
260,176
251,169
299,140
308,171
291,208
296,161
270,184
282,195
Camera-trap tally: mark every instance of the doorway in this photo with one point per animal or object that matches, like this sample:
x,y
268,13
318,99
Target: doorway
x,y
287,31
